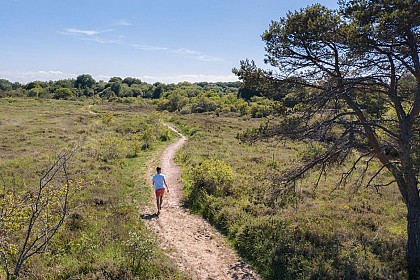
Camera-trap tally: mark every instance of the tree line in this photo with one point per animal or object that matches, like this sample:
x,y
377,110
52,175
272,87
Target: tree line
x,y
86,86
184,97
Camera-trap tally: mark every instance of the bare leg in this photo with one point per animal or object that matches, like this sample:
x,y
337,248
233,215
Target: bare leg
x,y
158,204
161,202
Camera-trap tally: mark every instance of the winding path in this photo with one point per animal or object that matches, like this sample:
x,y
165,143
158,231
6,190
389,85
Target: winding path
x,y
191,242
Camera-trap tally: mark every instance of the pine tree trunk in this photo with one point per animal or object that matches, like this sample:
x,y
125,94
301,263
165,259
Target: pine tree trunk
x,y
413,244
413,229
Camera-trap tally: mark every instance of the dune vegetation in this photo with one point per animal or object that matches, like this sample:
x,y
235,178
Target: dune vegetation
x,y
103,235
310,168
324,231
327,232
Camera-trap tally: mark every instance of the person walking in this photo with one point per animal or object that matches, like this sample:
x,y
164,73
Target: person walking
x,y
160,184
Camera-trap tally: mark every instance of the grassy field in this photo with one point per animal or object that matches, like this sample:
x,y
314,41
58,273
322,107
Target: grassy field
x,y
328,232
331,232
104,236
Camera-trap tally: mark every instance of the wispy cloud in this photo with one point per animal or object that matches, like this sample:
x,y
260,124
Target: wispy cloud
x,y
102,40
197,55
185,51
75,31
145,47
98,36
122,22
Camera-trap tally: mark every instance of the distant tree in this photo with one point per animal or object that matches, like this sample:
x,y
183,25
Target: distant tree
x,y
84,81
99,87
36,84
204,103
16,85
67,83
176,101
236,84
5,85
202,84
247,93
115,87
9,89
115,80
137,90
125,91
107,93
361,68
38,92
131,81
63,93
158,89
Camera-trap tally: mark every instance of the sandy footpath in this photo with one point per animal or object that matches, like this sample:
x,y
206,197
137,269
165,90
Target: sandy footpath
x,y
191,242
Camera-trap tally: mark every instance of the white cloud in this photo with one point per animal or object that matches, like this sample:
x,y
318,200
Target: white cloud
x,y
145,47
186,52
122,22
29,76
75,31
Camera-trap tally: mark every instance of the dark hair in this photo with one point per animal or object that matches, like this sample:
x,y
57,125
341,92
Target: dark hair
x,y
158,169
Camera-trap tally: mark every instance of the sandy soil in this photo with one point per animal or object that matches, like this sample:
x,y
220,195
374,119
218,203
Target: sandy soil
x,y
191,242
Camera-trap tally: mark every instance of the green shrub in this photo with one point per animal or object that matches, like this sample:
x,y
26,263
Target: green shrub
x,y
111,148
214,177
257,241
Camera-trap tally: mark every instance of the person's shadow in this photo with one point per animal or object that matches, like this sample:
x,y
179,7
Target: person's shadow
x,y
149,216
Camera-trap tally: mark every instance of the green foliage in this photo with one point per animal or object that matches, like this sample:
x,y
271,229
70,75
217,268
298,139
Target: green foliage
x,y
147,136
140,250
111,148
107,119
258,239
5,85
38,92
215,177
63,93
185,98
84,81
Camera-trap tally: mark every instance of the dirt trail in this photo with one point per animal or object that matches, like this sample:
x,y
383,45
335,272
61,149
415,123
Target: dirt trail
x,y
192,243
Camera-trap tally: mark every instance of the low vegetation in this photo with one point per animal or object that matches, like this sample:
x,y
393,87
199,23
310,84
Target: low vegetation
x,y
331,232
103,235
328,233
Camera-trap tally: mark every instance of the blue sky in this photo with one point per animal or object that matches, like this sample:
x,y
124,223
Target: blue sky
x,y
155,40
